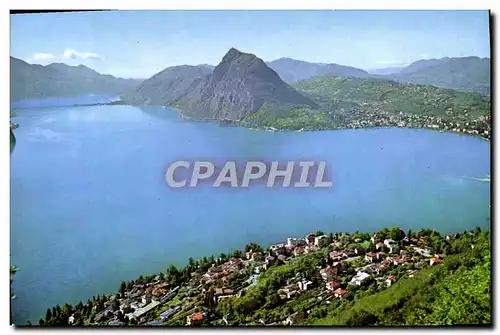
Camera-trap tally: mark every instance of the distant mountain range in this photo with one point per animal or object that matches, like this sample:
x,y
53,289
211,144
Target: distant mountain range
x,y
29,81
468,74
244,89
292,71
240,85
193,86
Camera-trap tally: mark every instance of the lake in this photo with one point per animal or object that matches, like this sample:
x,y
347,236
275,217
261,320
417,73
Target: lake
x,y
90,206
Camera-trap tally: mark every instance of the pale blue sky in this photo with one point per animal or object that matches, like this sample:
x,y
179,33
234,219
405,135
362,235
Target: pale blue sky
x,y
141,43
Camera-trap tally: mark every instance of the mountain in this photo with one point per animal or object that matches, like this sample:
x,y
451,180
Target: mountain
x,y
422,64
168,85
467,74
292,71
371,95
239,86
386,71
29,81
369,102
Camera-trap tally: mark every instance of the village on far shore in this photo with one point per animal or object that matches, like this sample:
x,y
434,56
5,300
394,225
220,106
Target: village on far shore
x,y
350,262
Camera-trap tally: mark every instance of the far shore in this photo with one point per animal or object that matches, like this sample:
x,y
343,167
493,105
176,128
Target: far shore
x,y
265,128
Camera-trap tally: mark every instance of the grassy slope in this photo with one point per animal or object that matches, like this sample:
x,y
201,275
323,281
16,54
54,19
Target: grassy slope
x,y
457,292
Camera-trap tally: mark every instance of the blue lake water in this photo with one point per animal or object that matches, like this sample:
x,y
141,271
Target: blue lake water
x,y
90,206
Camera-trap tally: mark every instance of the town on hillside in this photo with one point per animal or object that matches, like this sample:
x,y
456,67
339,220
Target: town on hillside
x,y
325,268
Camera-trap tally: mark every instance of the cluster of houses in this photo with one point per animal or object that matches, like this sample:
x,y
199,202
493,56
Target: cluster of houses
x,y
381,118
378,260
135,304
220,273
332,280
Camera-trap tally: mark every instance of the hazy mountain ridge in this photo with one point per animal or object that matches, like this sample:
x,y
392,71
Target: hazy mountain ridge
x,y
467,74
293,71
30,81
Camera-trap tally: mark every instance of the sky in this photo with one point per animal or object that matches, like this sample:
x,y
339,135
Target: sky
x,y
138,44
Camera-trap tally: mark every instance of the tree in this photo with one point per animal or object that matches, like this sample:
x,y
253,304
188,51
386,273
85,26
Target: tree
x,y
395,233
382,234
172,270
362,318
123,287
191,262
253,246
275,300
116,305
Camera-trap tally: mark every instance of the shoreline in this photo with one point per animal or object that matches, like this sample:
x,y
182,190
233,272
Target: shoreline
x,y
177,282
304,129
244,124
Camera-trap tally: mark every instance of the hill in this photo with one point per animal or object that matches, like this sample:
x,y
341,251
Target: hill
x,y
238,87
292,71
362,103
422,278
467,74
458,292
168,85
422,64
30,81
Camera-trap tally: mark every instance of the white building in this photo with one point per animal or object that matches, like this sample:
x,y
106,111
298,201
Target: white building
x,y
304,284
360,278
388,242
390,280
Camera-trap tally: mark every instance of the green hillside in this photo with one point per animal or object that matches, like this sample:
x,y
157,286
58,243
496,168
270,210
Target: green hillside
x,y
362,103
457,293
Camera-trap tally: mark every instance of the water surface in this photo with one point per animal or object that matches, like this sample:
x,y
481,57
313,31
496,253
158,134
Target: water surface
x,y
90,206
